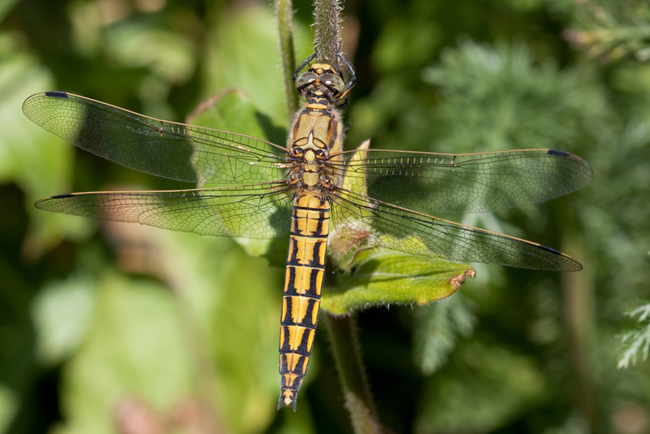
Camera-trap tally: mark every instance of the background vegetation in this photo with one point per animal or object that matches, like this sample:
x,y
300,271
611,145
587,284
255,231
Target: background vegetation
x,y
121,328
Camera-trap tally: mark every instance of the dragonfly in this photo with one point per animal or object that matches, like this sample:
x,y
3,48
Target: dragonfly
x,y
310,189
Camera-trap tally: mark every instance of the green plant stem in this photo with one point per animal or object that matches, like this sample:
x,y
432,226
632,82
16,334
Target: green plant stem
x,y
326,26
577,291
284,13
342,333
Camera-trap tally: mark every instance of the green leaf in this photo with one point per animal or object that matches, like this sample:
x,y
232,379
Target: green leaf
x,y
243,52
498,97
405,42
9,404
485,387
37,161
230,311
386,277
438,327
61,313
5,7
167,53
343,251
135,347
232,110
636,342
209,334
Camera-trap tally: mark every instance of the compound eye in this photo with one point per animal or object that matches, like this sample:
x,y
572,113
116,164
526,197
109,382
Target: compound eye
x,y
305,78
333,81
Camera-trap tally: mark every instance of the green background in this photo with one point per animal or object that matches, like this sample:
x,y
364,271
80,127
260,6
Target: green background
x,y
107,327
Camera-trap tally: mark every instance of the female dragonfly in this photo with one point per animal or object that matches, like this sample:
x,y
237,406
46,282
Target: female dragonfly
x,y
310,189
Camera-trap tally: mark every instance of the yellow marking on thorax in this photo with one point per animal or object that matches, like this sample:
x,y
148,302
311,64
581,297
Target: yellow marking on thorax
x,y
310,179
315,129
316,106
309,154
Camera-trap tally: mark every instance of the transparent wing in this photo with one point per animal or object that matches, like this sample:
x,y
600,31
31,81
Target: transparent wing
x,y
249,211
376,223
433,183
162,148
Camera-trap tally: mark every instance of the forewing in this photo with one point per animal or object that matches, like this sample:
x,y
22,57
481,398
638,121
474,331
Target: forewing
x,y
161,148
376,223
434,183
255,211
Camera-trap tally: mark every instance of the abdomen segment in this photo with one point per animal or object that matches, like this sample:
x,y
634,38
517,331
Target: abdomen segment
x,y
302,291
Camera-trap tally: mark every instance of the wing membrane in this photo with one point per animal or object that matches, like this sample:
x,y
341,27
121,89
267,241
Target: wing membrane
x,y
161,148
386,225
431,183
250,211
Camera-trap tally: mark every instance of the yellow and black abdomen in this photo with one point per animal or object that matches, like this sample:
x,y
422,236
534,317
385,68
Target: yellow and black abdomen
x,y
302,291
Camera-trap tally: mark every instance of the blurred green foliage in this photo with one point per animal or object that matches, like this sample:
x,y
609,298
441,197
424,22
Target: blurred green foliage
x,y
104,324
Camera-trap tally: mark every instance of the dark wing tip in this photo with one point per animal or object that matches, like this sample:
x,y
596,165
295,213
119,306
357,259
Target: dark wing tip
x,y
56,94
40,204
567,262
550,249
585,168
558,153
61,196
34,99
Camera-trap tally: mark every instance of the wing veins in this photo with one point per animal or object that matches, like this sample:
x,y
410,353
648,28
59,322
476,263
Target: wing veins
x,y
455,241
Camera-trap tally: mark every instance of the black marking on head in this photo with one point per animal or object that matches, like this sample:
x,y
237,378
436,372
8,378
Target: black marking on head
x,y
558,153
62,196
56,94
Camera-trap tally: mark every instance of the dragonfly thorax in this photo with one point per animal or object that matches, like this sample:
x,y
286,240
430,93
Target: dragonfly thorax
x,y
310,170
316,137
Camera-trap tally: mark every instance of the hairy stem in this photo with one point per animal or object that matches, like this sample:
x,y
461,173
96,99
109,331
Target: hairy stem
x,y
284,13
327,24
342,333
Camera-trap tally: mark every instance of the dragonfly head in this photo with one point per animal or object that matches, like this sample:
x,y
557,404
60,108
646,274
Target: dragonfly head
x,y
321,78
324,83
